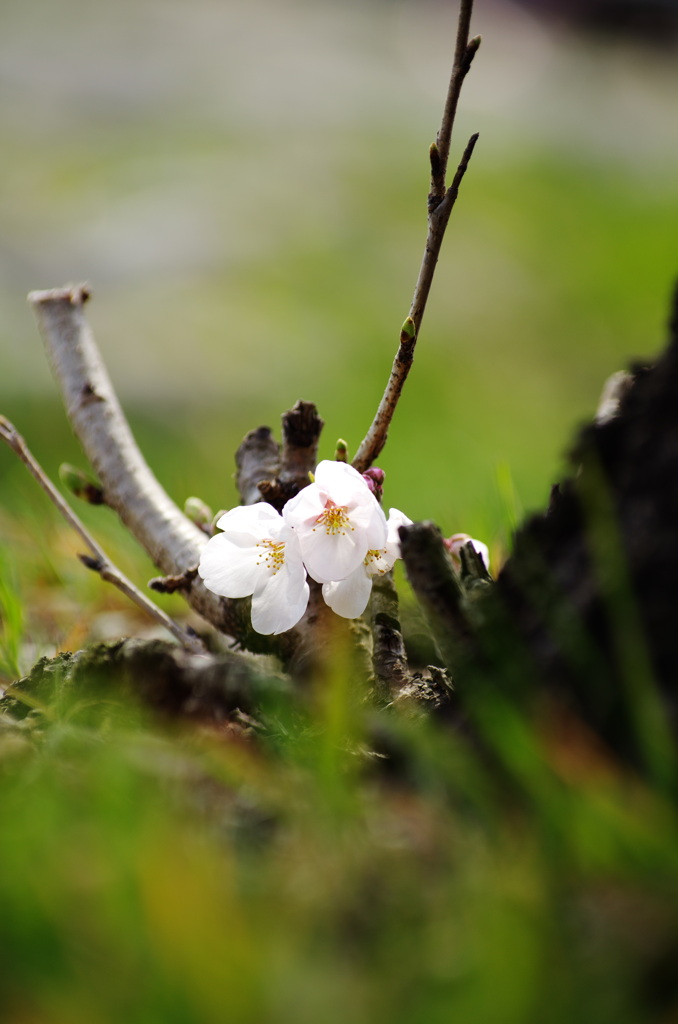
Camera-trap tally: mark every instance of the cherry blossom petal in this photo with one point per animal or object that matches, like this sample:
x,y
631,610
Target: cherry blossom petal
x,y
229,568
349,597
254,521
483,551
304,508
332,556
337,520
341,481
377,562
280,600
376,530
258,554
396,519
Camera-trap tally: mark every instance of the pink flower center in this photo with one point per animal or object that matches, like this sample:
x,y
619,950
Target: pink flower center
x,y
334,518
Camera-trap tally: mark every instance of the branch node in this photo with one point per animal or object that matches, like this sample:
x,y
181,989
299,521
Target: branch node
x,y
408,332
72,294
341,451
88,394
95,564
81,485
170,584
469,54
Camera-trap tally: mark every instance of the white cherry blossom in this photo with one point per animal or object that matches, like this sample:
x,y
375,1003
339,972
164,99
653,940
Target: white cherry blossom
x,y
456,542
337,520
257,554
349,597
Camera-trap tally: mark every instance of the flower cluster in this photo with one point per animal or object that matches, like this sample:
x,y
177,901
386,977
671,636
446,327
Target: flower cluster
x,y
334,531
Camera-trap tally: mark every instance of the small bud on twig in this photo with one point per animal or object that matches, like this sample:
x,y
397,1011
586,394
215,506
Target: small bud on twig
x,y
95,564
408,332
374,478
341,451
215,520
471,51
81,484
200,514
436,162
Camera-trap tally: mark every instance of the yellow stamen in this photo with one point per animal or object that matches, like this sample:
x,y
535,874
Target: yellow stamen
x,y
334,518
273,555
373,555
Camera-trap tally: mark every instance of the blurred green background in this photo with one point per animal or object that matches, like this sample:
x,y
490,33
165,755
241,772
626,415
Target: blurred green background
x,y
243,185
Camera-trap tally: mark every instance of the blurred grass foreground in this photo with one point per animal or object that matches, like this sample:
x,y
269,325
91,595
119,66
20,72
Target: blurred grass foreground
x,y
244,187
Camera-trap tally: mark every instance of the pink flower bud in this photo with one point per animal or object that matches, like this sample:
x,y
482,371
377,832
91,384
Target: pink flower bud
x,y
374,478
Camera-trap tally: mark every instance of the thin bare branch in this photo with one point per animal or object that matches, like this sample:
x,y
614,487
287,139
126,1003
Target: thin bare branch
x,y
97,558
441,200
438,221
376,436
464,52
375,439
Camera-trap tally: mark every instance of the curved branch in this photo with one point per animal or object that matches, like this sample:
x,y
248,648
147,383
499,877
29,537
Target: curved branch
x,y
166,534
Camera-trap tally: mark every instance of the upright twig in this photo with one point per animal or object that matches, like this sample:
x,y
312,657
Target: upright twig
x,y
97,558
257,460
301,429
441,200
464,52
